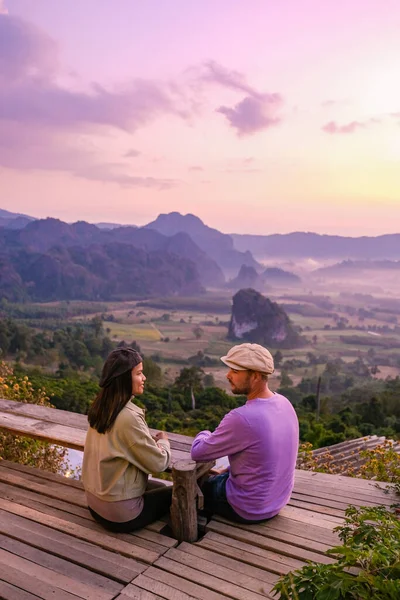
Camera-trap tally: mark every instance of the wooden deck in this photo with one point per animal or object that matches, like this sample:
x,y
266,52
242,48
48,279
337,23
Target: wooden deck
x,y
51,548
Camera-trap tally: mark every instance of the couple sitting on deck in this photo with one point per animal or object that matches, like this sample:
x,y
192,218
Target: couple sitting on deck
x,y
260,439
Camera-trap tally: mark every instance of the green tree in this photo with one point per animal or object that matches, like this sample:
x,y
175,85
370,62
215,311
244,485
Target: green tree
x,y
278,357
286,381
208,380
190,381
198,332
190,378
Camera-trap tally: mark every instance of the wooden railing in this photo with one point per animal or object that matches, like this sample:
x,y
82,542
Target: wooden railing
x,y
69,429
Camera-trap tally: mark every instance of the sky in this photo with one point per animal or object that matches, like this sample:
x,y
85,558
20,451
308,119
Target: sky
x,y
258,117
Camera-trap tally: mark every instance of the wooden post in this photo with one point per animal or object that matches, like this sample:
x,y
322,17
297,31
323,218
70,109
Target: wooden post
x,y
183,507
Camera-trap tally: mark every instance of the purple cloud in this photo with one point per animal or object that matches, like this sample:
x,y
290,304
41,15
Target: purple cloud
x,y
53,106
332,127
30,92
196,168
216,73
255,112
25,51
41,119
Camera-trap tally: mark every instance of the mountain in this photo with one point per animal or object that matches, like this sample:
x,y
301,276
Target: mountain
x,y
218,246
180,244
111,271
12,287
183,245
277,276
313,245
43,234
13,220
246,278
354,268
6,214
256,319
272,276
111,225
231,251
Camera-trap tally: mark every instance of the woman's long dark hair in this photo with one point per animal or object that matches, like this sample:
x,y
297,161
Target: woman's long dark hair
x,y
109,402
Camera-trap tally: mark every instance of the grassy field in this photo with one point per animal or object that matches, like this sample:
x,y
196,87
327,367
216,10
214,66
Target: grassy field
x,y
168,332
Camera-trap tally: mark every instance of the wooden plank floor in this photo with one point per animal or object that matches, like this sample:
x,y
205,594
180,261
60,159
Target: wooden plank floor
x,y
51,548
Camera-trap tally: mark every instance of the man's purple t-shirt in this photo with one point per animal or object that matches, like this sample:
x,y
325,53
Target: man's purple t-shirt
x,y
261,441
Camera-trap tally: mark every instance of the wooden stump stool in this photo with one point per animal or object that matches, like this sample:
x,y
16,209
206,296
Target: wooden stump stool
x,y
183,507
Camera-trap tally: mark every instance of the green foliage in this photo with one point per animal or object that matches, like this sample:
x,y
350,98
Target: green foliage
x,y
60,311
285,379
200,304
382,463
368,564
80,345
190,378
21,449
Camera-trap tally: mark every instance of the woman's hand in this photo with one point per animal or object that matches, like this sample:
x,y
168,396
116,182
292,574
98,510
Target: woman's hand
x,y
161,435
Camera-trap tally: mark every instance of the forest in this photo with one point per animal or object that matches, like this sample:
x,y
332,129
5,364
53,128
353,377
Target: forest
x,y
352,402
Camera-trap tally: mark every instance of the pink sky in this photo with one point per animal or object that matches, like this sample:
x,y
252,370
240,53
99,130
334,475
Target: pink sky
x,y
259,117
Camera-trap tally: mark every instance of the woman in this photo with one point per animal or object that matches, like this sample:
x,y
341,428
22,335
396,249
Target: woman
x,y
120,451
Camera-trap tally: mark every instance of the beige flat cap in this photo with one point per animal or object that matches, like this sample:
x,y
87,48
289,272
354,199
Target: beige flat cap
x,y
249,357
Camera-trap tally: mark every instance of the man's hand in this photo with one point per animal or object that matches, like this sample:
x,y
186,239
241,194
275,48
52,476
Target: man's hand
x,y
161,435
219,470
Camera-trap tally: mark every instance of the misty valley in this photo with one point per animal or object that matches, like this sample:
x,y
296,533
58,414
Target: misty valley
x,y
183,293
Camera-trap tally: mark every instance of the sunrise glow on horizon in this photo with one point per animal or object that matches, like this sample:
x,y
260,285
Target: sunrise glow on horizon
x,y
257,117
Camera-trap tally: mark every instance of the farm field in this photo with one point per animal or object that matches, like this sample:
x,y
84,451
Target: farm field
x,y
172,331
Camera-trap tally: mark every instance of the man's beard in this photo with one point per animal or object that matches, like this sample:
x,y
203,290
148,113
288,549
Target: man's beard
x,y
244,389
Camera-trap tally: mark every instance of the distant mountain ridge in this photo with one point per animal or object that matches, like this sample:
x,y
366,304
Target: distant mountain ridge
x,y
349,266
14,220
50,260
6,214
42,235
217,245
233,250
314,245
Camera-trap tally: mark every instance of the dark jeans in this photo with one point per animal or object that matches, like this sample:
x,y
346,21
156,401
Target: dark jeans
x,y
157,502
216,502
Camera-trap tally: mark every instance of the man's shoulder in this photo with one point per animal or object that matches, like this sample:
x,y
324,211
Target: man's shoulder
x,y
237,414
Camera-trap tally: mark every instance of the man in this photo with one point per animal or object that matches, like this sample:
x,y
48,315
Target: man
x,y
260,439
